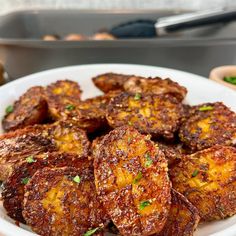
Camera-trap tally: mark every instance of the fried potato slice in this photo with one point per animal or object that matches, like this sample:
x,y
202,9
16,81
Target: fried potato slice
x,y
30,109
61,136
89,114
65,88
155,86
17,145
173,152
158,115
132,182
207,125
110,81
13,188
183,217
208,180
63,201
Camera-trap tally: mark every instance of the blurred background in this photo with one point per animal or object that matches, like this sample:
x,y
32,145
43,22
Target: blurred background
x,y
36,35
9,5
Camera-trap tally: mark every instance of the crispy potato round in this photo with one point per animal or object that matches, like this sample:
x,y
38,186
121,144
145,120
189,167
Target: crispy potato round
x,y
89,114
13,188
155,86
207,125
132,182
63,201
183,217
173,152
16,145
208,180
64,88
68,137
110,81
61,136
158,115
30,109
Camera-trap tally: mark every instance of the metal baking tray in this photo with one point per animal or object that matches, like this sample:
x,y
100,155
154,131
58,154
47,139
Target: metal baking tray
x,y
22,52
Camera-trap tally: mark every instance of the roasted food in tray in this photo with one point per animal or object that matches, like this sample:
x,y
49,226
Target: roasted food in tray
x,y
134,161
66,200
208,180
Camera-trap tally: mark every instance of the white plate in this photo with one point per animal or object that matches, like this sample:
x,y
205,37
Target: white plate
x,y
200,90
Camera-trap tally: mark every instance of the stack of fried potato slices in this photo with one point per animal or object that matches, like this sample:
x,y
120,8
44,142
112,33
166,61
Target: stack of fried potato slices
x,y
136,160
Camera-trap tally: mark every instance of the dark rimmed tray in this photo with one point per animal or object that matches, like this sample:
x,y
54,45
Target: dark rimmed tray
x,y
22,52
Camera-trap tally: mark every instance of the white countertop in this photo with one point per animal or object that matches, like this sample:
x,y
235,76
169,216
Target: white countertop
x,y
12,5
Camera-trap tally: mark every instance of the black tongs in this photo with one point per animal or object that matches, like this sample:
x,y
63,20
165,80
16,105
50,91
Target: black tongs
x,y
165,25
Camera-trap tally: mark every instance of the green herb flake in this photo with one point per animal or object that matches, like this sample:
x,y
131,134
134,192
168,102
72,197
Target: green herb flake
x,y
148,161
195,173
144,204
91,232
30,159
70,107
129,123
206,108
137,96
129,140
25,180
230,79
9,109
77,179
138,177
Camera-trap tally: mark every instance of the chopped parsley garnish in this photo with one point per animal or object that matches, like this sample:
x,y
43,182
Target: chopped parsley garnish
x,y
91,232
195,173
25,180
148,161
137,96
138,177
30,159
129,123
70,107
206,108
230,79
129,140
77,179
144,204
9,109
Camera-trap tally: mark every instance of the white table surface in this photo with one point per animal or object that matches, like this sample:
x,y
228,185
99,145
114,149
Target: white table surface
x,y
12,5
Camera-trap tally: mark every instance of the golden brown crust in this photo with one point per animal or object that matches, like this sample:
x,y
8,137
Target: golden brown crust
x,y
61,136
65,88
30,109
132,182
13,188
155,86
89,114
173,152
183,217
208,180
110,81
158,115
207,125
54,204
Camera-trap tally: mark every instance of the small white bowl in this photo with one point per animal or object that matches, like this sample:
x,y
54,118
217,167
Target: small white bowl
x,y
219,73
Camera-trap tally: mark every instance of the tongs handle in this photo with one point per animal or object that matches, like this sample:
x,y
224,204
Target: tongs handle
x,y
190,20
